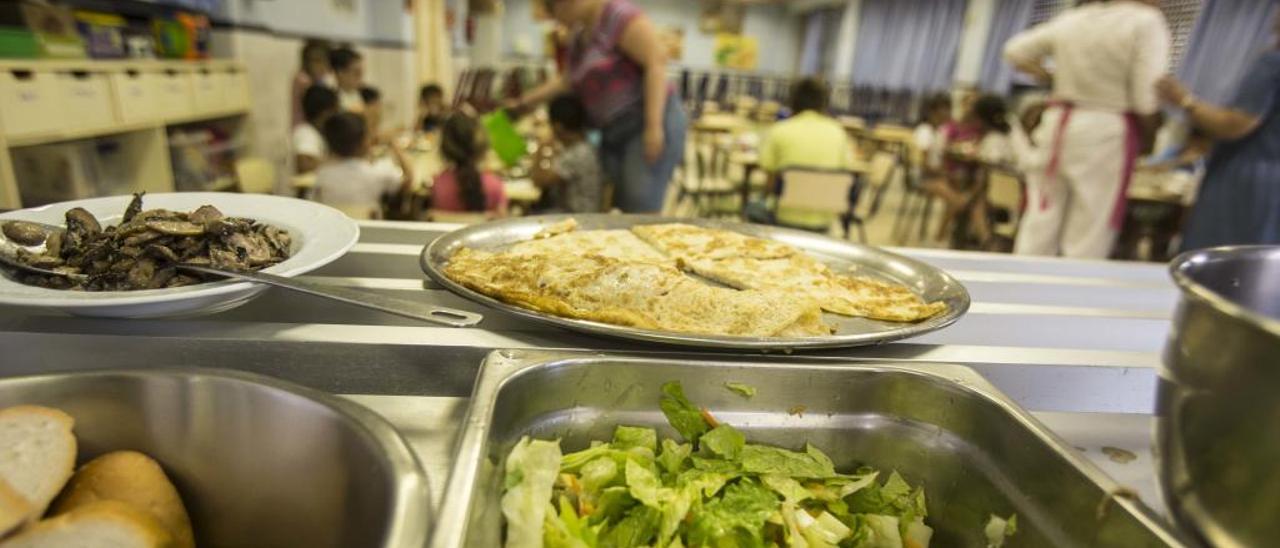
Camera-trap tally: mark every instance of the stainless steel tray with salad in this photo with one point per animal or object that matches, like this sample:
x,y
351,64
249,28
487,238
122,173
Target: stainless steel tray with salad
x,y
589,450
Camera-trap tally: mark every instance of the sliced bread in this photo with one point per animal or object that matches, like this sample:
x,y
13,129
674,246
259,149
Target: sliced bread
x,y
103,524
14,509
132,478
37,453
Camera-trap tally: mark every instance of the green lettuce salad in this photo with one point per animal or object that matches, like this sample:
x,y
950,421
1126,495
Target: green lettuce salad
x,y
713,490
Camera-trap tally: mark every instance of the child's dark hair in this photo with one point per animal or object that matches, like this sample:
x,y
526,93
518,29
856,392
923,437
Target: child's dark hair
x,y
341,58
809,94
318,100
992,112
314,46
430,90
568,111
459,146
344,133
370,94
932,104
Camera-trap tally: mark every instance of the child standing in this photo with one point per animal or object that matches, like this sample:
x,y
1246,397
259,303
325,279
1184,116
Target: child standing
x,y
318,104
574,181
464,187
353,183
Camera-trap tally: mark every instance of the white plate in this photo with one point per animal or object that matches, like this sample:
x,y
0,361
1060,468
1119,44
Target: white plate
x,y
320,234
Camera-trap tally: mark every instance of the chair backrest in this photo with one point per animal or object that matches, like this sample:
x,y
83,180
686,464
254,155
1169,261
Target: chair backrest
x,y
255,175
882,169
893,133
816,190
359,213
1004,190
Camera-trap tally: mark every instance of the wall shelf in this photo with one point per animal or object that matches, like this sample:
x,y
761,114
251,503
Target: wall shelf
x,y
44,103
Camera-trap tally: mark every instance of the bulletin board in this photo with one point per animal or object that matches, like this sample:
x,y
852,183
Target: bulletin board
x,y
737,51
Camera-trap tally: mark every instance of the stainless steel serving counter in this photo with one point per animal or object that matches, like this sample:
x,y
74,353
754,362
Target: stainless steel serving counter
x,y
1076,342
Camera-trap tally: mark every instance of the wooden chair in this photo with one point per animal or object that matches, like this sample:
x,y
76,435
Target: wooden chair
x,y
917,204
1005,193
713,193
255,176
884,166
833,192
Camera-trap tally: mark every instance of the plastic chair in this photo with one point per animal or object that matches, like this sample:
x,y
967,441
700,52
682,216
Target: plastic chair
x,y
255,176
831,192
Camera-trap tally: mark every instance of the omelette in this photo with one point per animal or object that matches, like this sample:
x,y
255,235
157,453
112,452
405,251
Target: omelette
x,y
642,294
746,262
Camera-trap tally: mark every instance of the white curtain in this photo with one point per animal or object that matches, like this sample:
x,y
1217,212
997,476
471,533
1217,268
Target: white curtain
x,y
433,56
1011,17
908,44
821,33
811,54
1227,38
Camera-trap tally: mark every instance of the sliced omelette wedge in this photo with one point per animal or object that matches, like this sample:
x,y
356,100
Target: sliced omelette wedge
x,y
641,294
746,262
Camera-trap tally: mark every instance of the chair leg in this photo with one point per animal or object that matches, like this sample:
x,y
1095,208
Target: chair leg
x,y
862,232
901,217
924,217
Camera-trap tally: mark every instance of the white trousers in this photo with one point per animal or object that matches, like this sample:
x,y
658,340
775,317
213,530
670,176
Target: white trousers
x,y
1070,215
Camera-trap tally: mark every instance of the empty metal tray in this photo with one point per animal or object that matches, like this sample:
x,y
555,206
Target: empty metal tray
x,y
942,426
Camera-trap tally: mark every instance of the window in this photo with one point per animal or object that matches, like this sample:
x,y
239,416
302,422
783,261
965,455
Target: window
x,y
1044,10
1182,15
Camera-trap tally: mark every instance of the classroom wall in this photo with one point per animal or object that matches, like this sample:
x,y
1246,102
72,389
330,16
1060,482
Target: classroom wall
x,y
380,20
775,27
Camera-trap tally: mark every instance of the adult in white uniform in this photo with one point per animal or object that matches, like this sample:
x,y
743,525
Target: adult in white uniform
x,y
1106,58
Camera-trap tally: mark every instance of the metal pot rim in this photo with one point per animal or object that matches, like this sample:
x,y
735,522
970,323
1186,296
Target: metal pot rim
x,y
1192,289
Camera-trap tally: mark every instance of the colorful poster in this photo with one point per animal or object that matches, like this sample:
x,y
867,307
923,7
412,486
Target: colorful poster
x,y
737,51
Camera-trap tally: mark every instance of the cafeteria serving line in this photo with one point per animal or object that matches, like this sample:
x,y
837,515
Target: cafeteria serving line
x,y
1077,343
580,273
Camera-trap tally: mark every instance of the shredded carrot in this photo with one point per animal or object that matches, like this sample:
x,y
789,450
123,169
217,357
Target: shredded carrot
x,y
711,420
571,484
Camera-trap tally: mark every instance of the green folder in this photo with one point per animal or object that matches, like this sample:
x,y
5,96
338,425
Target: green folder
x,y
507,143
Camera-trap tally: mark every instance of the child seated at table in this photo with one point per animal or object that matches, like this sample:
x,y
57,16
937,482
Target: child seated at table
x,y
463,187
372,107
432,110
318,104
353,182
573,179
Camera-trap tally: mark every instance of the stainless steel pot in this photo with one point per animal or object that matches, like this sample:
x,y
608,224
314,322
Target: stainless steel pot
x,y
258,462
1219,397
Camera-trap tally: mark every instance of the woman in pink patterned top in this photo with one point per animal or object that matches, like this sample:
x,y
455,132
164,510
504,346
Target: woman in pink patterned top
x,y
617,68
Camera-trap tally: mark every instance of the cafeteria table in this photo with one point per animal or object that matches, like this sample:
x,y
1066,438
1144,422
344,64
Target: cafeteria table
x,y
1076,342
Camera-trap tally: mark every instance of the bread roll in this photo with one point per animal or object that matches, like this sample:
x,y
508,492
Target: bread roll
x,y
40,453
14,510
132,478
103,524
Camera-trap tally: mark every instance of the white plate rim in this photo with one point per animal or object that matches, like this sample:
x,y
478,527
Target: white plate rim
x,y
80,300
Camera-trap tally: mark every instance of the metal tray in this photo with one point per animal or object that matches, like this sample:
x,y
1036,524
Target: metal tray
x,y
258,461
927,281
943,426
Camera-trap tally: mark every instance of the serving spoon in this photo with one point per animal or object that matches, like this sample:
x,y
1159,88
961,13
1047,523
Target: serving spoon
x,y
30,236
